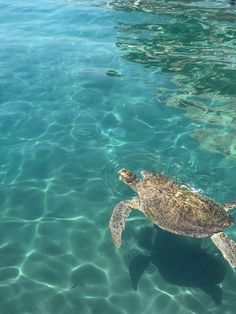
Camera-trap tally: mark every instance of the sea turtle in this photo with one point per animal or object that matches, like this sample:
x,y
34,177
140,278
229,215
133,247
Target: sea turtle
x,y
174,208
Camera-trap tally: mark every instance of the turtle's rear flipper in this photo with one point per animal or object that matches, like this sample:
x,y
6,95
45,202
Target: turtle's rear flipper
x,y
229,205
119,215
226,246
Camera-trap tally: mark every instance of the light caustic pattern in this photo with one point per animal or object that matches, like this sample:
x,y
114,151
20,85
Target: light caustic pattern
x,y
87,89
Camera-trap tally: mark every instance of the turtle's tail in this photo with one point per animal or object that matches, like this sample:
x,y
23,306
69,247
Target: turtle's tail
x,y
226,246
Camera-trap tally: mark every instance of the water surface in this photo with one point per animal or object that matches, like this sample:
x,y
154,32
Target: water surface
x,y
86,88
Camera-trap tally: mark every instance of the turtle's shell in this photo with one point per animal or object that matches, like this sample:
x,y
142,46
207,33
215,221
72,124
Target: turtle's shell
x,y
178,209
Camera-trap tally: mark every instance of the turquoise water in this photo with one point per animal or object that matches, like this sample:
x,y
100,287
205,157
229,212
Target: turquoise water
x,y
85,89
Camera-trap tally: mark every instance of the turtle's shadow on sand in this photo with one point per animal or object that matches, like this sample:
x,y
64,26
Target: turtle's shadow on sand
x,y
181,261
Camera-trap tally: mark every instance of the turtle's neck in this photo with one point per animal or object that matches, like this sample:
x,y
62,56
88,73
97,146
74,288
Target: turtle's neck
x,y
133,184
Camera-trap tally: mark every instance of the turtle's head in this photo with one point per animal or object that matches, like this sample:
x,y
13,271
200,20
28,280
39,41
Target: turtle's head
x,y
127,176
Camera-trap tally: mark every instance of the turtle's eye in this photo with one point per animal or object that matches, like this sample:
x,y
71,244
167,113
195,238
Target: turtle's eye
x,y
128,179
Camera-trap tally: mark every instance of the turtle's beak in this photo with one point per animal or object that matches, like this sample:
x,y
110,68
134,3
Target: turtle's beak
x,y
121,173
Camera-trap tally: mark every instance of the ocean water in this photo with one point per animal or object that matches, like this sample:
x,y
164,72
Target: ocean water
x,y
88,87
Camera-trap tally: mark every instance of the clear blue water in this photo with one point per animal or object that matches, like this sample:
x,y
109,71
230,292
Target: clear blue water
x,y
85,89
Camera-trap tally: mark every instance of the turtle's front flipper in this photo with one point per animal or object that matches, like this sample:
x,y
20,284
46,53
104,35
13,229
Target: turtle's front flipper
x,y
226,246
119,215
229,205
